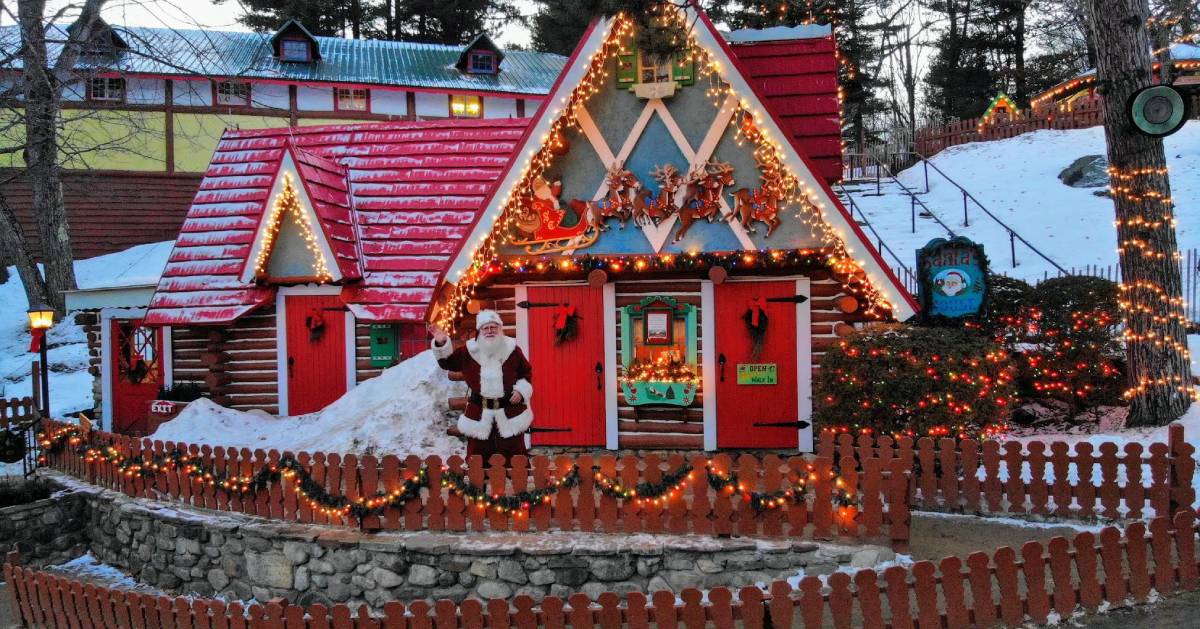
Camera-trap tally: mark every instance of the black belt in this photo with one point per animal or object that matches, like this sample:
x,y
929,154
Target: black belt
x,y
489,403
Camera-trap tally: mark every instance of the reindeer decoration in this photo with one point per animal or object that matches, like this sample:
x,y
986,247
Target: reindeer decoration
x,y
761,204
617,203
649,207
702,194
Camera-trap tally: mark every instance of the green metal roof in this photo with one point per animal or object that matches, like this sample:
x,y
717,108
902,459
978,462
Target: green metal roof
x,y
186,52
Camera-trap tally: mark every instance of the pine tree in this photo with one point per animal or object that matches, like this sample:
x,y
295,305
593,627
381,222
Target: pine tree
x,y
321,17
451,22
558,25
1155,333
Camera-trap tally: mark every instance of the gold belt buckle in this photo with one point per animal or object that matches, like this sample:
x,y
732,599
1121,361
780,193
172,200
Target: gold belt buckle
x,y
492,404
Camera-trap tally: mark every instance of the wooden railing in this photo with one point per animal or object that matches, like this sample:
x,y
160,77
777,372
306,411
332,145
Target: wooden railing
x,y
1080,481
876,492
1007,586
16,411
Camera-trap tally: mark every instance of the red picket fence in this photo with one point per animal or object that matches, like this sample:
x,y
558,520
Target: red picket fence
x,y
1010,478
1006,587
1087,112
878,491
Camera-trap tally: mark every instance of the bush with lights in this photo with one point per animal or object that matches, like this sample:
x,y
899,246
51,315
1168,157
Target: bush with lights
x,y
1069,343
916,381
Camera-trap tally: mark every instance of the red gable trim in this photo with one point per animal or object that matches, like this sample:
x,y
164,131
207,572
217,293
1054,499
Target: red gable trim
x,y
837,204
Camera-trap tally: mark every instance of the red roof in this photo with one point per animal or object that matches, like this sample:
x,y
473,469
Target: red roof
x,y
798,80
393,199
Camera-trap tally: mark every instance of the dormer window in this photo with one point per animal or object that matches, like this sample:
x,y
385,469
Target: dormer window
x,y
482,62
293,50
481,56
293,43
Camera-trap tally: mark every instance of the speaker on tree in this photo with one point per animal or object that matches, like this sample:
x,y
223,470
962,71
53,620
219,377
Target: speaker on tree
x,y
1158,110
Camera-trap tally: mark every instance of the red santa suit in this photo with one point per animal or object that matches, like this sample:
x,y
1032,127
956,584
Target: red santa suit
x,y
492,423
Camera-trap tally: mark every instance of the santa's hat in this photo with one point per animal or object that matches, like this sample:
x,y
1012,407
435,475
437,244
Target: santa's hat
x,y
487,316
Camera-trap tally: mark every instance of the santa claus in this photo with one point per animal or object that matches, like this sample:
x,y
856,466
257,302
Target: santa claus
x,y
498,374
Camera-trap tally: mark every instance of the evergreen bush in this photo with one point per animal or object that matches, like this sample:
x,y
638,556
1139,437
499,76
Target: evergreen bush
x,y
918,381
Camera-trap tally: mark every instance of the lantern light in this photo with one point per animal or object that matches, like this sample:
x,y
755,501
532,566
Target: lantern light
x,y
41,317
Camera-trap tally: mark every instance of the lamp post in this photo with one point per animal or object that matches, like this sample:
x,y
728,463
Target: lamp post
x,y
41,318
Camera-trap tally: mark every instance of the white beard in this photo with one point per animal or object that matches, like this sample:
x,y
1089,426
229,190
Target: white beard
x,y
491,354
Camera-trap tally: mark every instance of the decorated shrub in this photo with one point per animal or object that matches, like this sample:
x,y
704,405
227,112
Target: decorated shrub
x,y
916,381
1070,345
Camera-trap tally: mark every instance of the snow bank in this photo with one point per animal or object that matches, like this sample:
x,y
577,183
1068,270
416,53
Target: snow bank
x,y
70,383
402,412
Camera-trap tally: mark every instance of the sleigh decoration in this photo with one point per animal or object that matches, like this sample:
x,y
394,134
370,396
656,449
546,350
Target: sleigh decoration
x,y
539,223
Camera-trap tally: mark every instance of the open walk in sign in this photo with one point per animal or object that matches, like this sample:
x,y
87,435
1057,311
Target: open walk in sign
x,y
757,373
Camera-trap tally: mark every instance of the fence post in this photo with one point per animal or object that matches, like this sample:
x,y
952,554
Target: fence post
x,y
966,220
1182,468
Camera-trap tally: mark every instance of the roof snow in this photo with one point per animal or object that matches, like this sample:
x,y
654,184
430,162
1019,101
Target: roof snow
x,y
778,33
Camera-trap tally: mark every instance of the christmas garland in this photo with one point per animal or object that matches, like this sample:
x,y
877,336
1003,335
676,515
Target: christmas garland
x,y
320,500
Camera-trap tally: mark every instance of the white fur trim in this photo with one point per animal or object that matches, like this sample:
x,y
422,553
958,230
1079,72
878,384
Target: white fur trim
x,y
487,316
476,429
442,351
525,388
509,426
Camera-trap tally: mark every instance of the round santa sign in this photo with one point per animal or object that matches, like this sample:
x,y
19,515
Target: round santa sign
x,y
952,279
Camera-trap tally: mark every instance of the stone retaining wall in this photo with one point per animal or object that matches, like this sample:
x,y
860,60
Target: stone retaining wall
x,y
48,531
239,557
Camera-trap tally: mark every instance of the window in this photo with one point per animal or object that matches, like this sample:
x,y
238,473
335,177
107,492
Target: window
x,y
106,90
651,70
482,63
231,93
293,50
465,106
352,98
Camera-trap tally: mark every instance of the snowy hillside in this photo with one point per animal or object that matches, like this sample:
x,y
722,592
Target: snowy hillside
x,y
1017,179
70,383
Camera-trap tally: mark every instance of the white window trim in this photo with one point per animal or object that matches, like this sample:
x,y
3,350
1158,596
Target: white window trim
x,y
106,355
481,54
107,98
612,433
281,379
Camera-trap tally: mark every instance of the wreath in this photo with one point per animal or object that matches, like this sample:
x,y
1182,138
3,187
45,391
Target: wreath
x,y
315,324
566,323
755,318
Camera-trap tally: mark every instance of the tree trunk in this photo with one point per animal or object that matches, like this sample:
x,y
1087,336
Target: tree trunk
x,y
1019,49
42,93
1160,376
12,242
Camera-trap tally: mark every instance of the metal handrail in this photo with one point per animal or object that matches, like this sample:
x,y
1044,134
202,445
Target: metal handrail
x,y
913,200
1012,234
909,276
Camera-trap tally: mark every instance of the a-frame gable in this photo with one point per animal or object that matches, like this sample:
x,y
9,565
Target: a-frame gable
x,y
834,227
289,201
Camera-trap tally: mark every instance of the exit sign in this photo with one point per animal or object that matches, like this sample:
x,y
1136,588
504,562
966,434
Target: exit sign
x,y
757,373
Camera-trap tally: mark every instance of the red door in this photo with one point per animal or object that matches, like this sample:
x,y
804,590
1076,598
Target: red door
x,y
568,377
137,373
316,351
741,406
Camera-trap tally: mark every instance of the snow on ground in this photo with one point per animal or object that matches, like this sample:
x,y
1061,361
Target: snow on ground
x,y
1017,179
89,569
402,412
70,383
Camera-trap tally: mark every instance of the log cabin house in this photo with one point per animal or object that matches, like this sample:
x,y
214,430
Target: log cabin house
x,y
660,237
